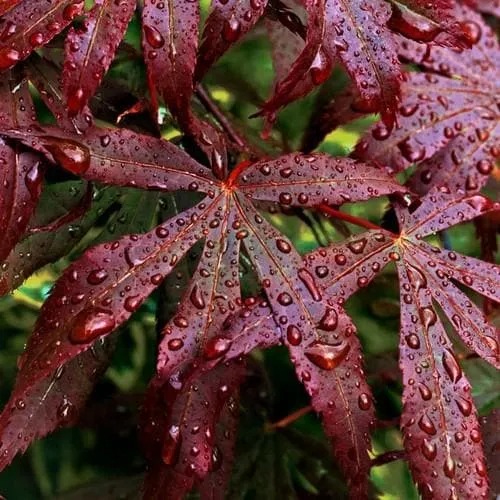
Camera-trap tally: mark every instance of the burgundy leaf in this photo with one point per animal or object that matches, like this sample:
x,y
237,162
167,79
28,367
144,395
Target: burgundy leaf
x,y
439,421
119,156
464,164
91,300
371,63
489,7
489,425
52,402
7,5
457,94
30,25
90,49
179,427
170,42
308,180
21,172
438,408
227,23
45,77
36,250
322,344
429,22
285,89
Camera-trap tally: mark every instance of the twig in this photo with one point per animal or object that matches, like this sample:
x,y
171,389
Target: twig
x,y
284,422
358,221
388,457
209,104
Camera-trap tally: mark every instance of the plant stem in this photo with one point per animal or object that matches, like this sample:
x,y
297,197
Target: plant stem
x,y
284,422
358,221
209,104
388,457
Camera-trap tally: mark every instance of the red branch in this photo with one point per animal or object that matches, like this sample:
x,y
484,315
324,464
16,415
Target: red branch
x,y
358,221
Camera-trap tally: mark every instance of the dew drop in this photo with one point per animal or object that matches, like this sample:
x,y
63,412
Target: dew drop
x,y
97,276
429,450
364,401
171,446
71,155
327,356
329,321
427,316
285,299
293,335
196,297
153,37
132,303
308,279
413,341
283,246
451,366
90,324
427,425
464,406
357,246
216,347
66,411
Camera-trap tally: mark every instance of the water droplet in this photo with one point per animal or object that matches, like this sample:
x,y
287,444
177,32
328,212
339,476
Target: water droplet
x,y
216,347
231,30
357,246
285,299
327,356
71,155
425,392
364,401
484,166
33,180
417,277
132,303
76,101
20,404
308,279
472,31
427,425
451,366
464,405
97,276
196,297
293,335
66,411
321,271
8,58
175,344
153,37
90,324
427,316
171,446
449,467
413,341
283,246
329,321
429,449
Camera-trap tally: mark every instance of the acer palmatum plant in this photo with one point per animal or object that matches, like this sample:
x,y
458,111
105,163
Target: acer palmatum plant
x,y
234,280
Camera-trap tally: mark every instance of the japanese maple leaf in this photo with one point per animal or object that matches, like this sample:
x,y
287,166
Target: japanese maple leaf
x,y
170,43
357,35
439,420
21,172
449,108
28,25
109,282
90,49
